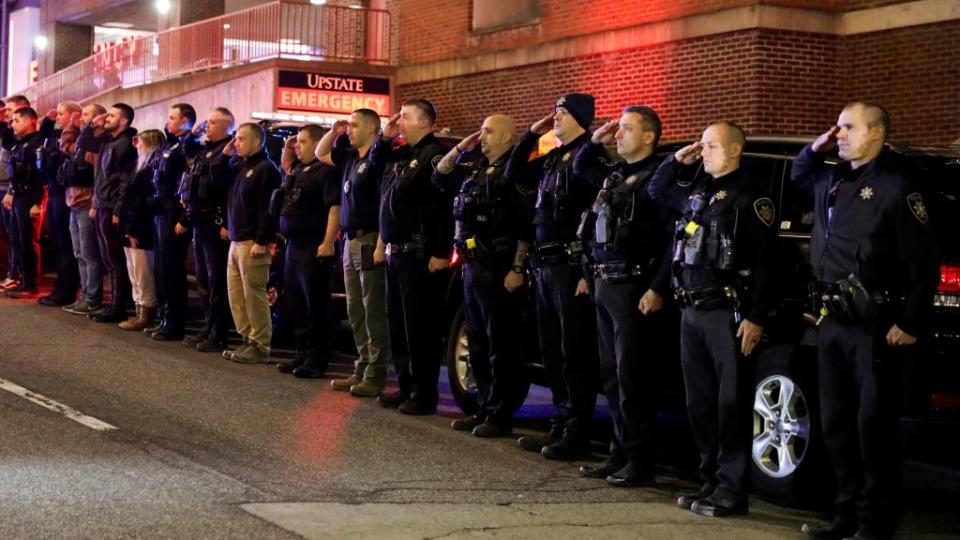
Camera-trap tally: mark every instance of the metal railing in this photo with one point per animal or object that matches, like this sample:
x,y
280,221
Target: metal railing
x,y
292,29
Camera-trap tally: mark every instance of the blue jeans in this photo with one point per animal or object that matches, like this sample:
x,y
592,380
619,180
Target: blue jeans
x,y
83,233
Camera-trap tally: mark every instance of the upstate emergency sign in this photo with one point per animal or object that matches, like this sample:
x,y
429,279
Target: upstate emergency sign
x,y
321,92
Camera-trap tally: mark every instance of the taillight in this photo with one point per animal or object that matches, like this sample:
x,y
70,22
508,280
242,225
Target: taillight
x,y
949,279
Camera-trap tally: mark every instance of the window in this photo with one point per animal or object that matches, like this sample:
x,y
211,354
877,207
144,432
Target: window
x,y
497,14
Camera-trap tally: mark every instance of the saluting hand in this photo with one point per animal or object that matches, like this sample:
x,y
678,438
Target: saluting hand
x,y
826,141
605,134
542,126
199,129
231,148
99,120
469,141
392,129
688,155
290,144
52,114
75,119
340,126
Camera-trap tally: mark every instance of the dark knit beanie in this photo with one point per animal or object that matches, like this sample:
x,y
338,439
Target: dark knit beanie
x,y
580,106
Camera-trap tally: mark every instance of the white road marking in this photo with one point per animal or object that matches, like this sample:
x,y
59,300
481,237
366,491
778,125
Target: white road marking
x,y
55,406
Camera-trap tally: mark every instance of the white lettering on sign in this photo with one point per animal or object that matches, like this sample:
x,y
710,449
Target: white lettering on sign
x,y
340,84
336,102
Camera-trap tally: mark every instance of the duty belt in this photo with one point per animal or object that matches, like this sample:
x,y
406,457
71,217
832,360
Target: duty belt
x,y
617,272
356,233
559,252
848,301
705,298
409,247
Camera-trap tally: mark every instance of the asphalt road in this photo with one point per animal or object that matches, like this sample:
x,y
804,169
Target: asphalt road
x,y
204,448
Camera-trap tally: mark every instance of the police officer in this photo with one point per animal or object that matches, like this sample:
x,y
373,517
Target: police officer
x,y
875,261
564,313
172,241
722,256
489,215
415,224
24,199
364,257
628,237
203,191
49,160
308,207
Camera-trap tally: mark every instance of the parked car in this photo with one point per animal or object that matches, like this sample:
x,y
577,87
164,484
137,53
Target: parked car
x,y
789,465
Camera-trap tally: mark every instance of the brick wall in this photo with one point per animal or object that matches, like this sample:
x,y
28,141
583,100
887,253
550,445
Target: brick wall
x,y
913,72
690,83
769,81
440,29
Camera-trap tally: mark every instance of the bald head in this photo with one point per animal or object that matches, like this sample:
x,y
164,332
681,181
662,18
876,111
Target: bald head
x,y
722,146
497,135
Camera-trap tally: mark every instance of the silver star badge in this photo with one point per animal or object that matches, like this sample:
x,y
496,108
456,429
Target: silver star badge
x,y
209,155
307,168
566,157
490,170
361,168
413,164
866,193
249,173
630,179
721,195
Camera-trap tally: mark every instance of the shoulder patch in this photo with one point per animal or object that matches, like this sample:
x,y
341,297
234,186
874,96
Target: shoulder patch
x,y
917,207
765,211
436,160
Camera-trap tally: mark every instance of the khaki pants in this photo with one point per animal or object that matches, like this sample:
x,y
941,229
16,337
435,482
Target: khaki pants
x,y
247,291
367,310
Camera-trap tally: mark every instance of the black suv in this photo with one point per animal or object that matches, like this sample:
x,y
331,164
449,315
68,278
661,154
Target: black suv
x,y
789,465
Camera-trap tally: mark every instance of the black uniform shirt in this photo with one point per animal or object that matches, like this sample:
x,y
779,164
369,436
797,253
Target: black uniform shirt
x,y
642,235
562,195
731,205
169,169
26,180
360,202
308,193
880,231
488,207
248,202
204,192
409,202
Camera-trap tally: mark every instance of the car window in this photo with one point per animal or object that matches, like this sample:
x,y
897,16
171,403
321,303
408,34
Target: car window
x,y
796,205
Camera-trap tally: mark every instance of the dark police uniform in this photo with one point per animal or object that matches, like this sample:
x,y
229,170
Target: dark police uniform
x,y
871,236
628,238
26,187
49,160
203,191
722,257
171,249
302,204
415,225
564,320
489,217
364,281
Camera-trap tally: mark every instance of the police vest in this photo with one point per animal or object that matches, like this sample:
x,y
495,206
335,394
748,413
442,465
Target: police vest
x,y
705,234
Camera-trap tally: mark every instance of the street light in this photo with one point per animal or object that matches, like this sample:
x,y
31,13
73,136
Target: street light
x,y
41,42
162,6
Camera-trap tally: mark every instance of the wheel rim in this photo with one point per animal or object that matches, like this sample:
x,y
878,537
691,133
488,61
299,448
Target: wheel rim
x,y
781,426
462,352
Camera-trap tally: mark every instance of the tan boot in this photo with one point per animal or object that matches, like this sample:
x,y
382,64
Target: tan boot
x,y
133,324
148,314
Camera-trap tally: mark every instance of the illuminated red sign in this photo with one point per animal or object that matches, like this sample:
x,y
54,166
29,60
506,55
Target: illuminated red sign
x,y
320,92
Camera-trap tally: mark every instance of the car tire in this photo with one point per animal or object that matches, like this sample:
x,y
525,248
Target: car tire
x,y
788,462
457,360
